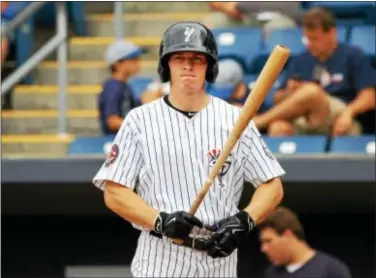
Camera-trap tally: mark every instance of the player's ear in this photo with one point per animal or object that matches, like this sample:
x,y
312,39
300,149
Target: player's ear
x,y
288,233
164,69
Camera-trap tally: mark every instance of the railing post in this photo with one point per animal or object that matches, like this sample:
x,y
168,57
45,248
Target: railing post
x,y
61,23
118,20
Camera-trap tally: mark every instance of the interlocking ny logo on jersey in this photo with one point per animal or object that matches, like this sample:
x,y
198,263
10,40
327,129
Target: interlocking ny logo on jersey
x,y
188,33
213,156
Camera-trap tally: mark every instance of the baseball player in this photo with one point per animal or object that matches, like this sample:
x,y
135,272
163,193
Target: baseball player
x,y
162,155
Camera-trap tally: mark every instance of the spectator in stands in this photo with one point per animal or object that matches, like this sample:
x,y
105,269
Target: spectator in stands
x,y
230,76
326,87
116,98
283,242
251,13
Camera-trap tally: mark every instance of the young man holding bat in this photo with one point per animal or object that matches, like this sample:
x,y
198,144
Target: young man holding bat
x,y
162,155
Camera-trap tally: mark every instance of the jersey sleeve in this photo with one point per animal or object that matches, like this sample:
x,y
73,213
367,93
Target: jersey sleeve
x,y
260,165
124,160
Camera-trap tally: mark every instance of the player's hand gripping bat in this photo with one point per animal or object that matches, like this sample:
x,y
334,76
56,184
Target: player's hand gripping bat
x,y
264,83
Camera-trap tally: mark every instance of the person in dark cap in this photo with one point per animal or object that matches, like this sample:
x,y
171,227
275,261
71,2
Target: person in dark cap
x,y
284,244
116,98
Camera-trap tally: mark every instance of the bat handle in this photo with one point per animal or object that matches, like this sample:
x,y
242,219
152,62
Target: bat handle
x,y
197,202
200,196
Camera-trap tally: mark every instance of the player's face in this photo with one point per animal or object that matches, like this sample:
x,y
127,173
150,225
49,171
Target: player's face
x,y
188,70
274,246
318,41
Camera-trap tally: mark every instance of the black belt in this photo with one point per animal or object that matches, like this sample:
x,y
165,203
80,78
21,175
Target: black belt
x,y
196,244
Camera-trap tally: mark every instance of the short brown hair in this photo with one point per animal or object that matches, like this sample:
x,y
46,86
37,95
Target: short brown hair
x,y
283,219
319,18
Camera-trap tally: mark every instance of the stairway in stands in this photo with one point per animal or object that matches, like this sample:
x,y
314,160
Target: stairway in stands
x,y
30,130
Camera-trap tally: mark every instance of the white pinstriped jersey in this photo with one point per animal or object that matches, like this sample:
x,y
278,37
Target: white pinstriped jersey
x,y
166,157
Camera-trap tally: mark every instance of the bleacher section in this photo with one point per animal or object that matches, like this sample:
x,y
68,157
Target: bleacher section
x,y
30,128
295,145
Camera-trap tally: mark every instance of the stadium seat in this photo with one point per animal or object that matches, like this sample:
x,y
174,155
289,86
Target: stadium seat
x,y
289,37
90,145
242,44
221,91
138,85
353,144
292,38
364,37
296,144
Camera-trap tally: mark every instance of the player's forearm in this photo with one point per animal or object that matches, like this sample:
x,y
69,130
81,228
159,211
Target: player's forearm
x,y
364,102
265,199
128,205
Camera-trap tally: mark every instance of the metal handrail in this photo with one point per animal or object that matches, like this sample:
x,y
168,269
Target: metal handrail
x,y
118,20
56,42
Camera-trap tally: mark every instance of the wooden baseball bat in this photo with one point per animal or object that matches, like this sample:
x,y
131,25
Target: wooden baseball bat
x,y
264,83
269,74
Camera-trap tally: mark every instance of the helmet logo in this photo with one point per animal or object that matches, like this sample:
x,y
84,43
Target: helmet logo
x,y
188,33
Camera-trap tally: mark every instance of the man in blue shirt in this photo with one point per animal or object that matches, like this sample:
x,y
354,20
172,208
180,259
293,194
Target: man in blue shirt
x,y
283,242
327,87
116,99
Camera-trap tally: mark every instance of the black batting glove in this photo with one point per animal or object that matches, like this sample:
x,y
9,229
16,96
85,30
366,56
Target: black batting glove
x,y
177,225
230,232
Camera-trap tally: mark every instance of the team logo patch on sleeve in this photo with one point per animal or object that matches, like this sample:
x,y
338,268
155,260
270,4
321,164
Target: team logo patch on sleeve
x,y
112,155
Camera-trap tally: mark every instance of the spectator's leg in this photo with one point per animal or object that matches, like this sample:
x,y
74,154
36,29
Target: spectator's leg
x,y
308,100
281,128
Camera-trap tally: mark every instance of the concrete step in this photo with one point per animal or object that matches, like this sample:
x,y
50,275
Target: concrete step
x,y
35,145
46,97
80,122
145,24
145,7
93,48
99,7
85,72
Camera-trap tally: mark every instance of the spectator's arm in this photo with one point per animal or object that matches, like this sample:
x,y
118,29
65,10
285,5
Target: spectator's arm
x,y
112,98
114,122
288,85
280,95
364,102
365,83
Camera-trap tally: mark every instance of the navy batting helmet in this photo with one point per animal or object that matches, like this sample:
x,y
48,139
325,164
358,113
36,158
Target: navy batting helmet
x,y
188,36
